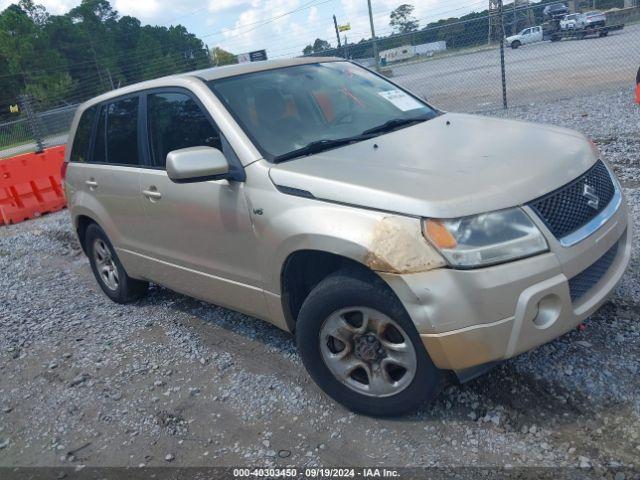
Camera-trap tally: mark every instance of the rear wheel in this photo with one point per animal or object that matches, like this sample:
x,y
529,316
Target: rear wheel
x,y
360,346
108,270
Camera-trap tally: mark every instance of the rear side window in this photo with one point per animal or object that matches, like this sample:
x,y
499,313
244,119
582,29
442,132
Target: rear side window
x,y
82,139
176,121
122,132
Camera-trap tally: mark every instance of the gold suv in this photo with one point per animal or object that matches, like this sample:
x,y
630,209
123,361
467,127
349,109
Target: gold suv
x,y
396,241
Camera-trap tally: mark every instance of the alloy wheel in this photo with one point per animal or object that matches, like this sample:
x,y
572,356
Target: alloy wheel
x,y
106,267
368,351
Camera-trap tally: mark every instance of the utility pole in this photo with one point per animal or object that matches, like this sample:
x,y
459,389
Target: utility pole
x,y
376,55
26,106
209,55
515,19
335,24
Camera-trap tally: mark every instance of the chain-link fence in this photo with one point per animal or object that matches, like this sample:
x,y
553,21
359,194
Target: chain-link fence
x,y
514,54
548,56
34,130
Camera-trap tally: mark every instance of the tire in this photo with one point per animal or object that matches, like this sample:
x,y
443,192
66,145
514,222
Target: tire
x,y
108,270
344,295
603,33
515,44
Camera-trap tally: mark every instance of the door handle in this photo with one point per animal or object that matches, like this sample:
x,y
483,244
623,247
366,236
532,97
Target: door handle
x,y
91,183
152,194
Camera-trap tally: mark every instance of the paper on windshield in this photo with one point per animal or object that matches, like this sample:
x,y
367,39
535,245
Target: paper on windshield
x,y
401,100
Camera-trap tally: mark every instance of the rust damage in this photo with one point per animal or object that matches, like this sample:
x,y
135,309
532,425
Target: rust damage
x,y
397,246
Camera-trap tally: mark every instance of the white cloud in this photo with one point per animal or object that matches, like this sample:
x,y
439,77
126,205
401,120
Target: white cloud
x,y
222,5
267,23
140,8
313,15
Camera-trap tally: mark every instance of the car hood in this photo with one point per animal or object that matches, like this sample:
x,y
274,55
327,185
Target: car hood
x,y
451,166
511,38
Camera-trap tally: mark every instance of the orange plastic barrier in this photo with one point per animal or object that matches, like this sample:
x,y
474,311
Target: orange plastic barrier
x,y
30,185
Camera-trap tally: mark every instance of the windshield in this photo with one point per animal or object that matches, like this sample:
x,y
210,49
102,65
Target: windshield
x,y
287,109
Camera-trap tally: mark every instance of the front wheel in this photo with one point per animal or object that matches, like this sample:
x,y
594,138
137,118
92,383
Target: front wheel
x,y
360,346
515,44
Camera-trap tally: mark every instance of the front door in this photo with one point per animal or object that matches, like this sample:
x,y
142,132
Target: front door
x,y
200,240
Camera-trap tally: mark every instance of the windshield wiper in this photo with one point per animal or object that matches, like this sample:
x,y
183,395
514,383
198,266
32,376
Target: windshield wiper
x,y
394,124
320,146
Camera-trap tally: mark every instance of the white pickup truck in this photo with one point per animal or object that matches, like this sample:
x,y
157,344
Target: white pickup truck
x,y
528,35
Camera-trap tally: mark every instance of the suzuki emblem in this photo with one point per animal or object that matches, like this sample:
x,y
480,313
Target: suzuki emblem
x,y
590,194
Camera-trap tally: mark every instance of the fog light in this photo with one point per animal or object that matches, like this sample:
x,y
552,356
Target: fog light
x,y
548,311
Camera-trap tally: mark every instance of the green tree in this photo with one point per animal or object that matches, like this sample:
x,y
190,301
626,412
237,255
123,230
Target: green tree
x,y
221,57
318,46
91,49
402,19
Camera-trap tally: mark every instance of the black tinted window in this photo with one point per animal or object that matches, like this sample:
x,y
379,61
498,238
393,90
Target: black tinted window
x,y
99,153
122,132
176,121
82,139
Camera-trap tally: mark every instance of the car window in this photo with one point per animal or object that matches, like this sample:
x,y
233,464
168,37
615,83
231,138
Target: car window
x,y
285,109
122,132
525,31
82,139
176,121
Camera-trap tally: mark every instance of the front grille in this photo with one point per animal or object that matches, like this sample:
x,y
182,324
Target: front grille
x,y
585,280
567,209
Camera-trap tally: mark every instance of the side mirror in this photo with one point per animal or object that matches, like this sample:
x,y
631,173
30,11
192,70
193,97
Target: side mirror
x,y
196,164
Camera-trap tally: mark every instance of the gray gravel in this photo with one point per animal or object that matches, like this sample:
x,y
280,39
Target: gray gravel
x,y
169,379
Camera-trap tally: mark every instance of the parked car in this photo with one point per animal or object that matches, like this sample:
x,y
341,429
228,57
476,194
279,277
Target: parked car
x,y
528,35
394,240
569,21
590,20
555,10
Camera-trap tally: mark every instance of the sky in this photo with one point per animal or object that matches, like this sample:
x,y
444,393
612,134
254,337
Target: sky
x,y
282,27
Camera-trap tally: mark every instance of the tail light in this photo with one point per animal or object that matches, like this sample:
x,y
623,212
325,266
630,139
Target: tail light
x,y
63,170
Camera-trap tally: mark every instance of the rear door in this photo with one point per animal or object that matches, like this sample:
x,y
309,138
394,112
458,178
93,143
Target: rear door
x,y
106,178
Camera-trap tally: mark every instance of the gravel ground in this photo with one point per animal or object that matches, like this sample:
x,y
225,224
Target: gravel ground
x,y
173,381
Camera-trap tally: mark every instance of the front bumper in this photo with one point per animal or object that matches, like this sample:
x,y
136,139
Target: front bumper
x,y
469,318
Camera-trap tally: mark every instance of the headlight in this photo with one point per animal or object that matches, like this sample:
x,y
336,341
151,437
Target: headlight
x,y
485,239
